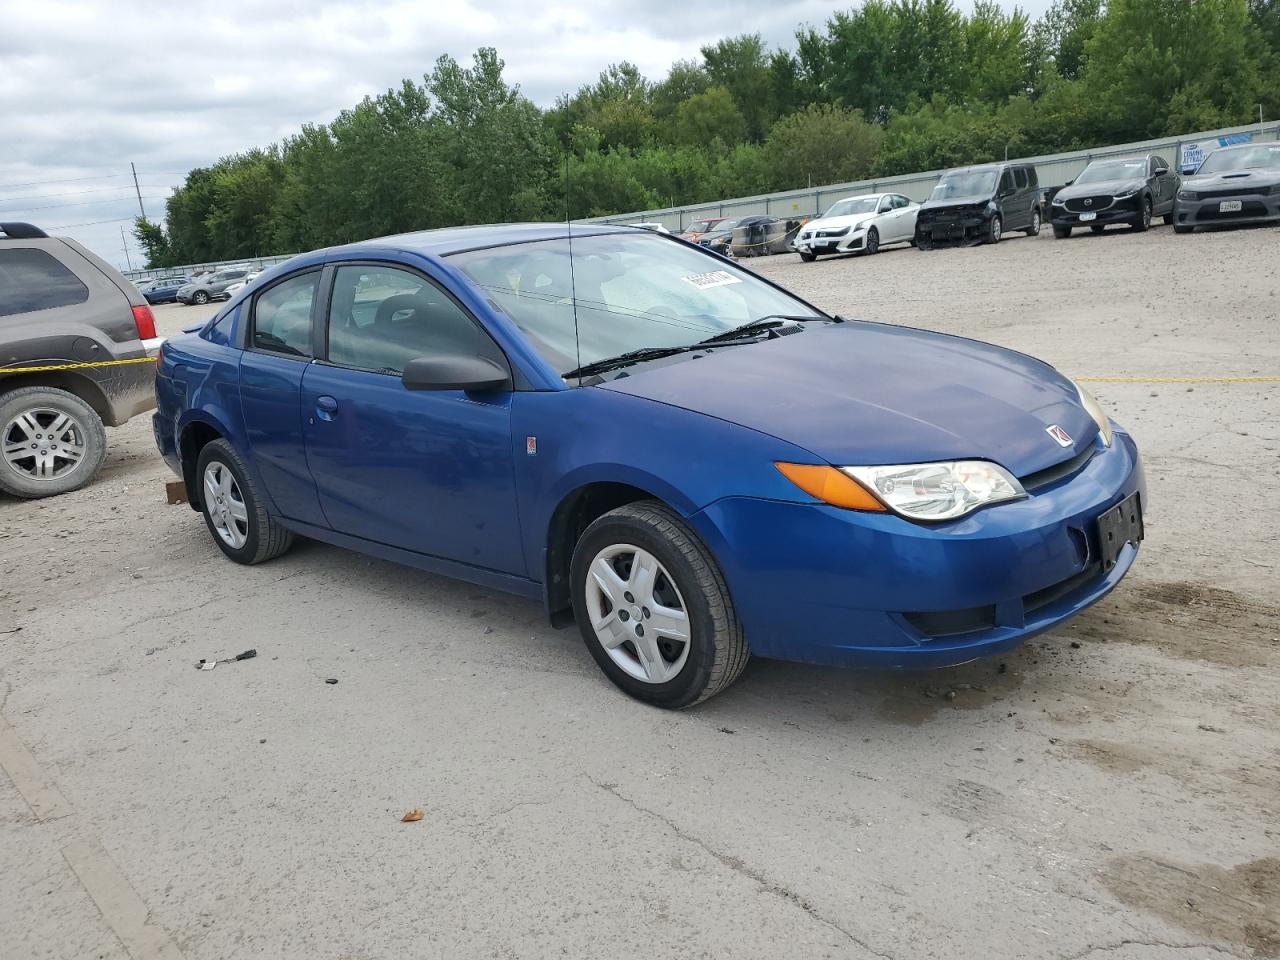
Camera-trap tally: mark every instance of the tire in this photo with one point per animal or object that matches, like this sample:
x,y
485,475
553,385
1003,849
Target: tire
x,y
994,230
1097,228
249,535
808,257
200,298
1034,231
1144,218
923,243
872,244
1168,219
684,580
64,434
1182,228
1061,232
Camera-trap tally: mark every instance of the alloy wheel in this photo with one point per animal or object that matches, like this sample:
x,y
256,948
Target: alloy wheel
x,y
43,444
637,613
225,505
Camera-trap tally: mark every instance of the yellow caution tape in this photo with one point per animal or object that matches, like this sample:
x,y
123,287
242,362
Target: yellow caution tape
x,y
1178,379
76,366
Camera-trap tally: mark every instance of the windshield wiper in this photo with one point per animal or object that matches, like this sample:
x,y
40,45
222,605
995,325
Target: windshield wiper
x,y
771,322
628,358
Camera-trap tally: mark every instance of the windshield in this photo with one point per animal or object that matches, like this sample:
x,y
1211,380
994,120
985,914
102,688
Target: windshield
x,y
1101,170
633,291
954,186
852,207
1264,156
724,226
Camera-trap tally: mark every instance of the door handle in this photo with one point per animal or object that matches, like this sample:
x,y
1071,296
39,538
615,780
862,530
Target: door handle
x,y
326,407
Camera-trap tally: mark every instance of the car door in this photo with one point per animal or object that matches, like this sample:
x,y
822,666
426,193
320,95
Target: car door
x,y
1022,196
428,471
904,217
277,351
1164,185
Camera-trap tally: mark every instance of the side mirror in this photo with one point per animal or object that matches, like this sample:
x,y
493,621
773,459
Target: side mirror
x,y
455,372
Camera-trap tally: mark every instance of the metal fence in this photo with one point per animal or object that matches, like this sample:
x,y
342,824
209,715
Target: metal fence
x,y
1052,170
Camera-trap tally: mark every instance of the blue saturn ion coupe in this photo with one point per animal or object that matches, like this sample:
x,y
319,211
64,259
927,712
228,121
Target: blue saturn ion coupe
x,y
688,460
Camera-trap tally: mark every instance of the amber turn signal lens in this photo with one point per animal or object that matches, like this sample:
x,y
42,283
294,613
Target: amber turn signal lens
x,y
830,486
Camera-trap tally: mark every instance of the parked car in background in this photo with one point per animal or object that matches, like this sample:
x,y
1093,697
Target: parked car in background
x,y
62,305
240,284
211,287
164,289
1233,185
979,205
1128,190
761,236
505,406
697,229
719,237
655,227
859,225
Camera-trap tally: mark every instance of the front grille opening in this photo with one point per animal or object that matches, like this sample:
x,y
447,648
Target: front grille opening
x,y
1059,471
946,623
1042,598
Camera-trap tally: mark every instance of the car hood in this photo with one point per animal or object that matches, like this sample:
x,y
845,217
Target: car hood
x,y
838,223
865,394
958,205
1233,179
1101,188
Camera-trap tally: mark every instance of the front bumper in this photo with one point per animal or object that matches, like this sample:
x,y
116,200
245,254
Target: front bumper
x,y
1254,208
1120,211
964,229
822,585
848,243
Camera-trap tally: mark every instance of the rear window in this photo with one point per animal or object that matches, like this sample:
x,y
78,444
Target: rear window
x,y
30,280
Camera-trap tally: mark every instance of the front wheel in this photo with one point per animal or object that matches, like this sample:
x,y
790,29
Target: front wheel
x,y
1144,217
234,511
1061,232
200,298
808,257
51,442
1182,228
1097,228
872,244
1168,219
653,607
993,230
1035,223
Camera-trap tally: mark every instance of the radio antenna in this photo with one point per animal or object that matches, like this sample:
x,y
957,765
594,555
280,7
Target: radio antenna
x,y
573,286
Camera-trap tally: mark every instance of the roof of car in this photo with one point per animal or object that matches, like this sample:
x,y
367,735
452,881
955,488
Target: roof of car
x,y
447,240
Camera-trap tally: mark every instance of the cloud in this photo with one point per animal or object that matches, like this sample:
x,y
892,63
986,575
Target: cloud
x,y
87,87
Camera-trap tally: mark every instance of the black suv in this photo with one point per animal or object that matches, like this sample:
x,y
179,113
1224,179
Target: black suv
x,y
1128,190
77,344
979,205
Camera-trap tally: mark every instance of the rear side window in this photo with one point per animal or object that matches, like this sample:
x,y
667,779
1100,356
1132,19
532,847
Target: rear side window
x,y
282,316
380,318
1020,178
30,279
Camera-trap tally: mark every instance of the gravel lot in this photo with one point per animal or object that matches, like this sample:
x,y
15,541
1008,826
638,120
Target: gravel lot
x,y
1110,789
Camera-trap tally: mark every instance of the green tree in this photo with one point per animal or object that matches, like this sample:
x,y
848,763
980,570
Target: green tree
x,y
821,144
706,118
150,237
741,66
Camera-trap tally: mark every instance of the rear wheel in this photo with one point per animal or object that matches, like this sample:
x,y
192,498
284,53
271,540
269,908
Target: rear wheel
x,y
51,442
1035,223
233,510
808,257
993,230
872,244
653,607
1061,232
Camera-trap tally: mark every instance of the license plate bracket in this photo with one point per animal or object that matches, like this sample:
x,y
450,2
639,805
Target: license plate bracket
x,y
1120,525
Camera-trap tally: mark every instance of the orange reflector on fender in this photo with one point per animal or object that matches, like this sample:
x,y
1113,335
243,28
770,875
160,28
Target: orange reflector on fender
x,y
830,486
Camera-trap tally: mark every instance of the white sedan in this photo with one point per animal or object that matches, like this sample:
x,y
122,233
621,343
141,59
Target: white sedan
x,y
859,225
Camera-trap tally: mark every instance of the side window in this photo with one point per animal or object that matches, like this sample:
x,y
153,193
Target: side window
x,y
380,318
1032,177
30,279
1006,181
886,203
282,316
1020,178
1159,167
900,201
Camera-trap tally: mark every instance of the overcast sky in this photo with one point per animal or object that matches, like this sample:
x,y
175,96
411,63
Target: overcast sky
x,y
87,87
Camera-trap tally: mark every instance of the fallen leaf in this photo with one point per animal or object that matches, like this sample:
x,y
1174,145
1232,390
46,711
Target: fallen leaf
x,y
413,816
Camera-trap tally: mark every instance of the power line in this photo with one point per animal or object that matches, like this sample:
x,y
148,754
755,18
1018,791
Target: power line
x,y
80,203
91,223
66,193
104,176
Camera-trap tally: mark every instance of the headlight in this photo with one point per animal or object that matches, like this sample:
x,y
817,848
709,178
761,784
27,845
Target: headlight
x,y
1094,409
1059,202
917,491
1126,194
1188,195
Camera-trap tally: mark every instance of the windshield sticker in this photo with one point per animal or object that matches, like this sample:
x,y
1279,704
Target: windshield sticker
x,y
716,278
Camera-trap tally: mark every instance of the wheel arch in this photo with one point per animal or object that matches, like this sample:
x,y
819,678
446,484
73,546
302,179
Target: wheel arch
x,y
194,435
74,383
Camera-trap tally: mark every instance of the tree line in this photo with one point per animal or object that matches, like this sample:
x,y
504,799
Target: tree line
x,y
893,86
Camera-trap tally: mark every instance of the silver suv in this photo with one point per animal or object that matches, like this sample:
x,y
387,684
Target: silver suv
x,y
212,286
77,349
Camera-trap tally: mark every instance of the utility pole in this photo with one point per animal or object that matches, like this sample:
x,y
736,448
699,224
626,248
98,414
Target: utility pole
x,y
125,243
137,190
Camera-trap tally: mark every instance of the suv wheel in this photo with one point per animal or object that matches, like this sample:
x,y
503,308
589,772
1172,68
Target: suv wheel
x,y
1144,218
200,298
653,607
808,257
993,231
51,442
1061,232
233,511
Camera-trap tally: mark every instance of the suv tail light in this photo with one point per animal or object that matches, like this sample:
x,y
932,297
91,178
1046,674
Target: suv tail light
x,y
145,321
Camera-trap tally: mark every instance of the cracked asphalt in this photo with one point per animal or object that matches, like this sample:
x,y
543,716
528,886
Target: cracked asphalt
x,y
1111,789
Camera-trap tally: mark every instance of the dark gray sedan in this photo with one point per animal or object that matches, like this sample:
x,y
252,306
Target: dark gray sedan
x,y
1234,185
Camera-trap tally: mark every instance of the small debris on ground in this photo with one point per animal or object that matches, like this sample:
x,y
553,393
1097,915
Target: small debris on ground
x,y
1075,644
210,664
1209,728
413,816
331,680
727,730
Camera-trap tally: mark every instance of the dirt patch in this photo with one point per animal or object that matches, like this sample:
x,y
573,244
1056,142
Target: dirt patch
x,y
969,687
1188,620
1113,757
1239,905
